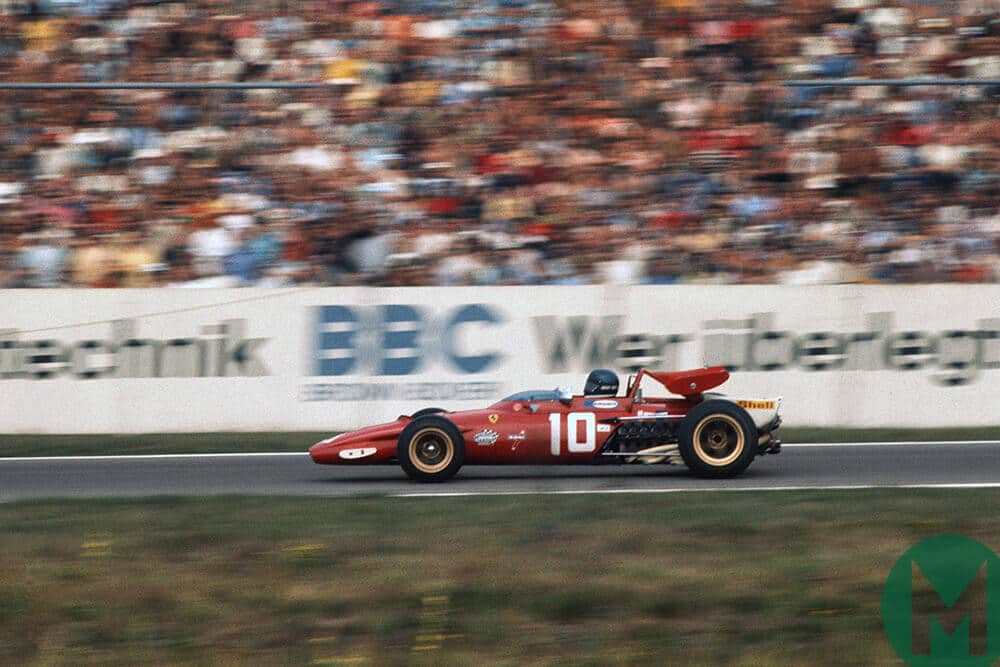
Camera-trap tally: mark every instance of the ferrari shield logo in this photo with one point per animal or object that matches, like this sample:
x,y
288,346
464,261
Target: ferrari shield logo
x,y
494,418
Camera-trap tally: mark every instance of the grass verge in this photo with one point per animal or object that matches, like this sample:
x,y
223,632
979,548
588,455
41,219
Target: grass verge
x,y
736,578
300,441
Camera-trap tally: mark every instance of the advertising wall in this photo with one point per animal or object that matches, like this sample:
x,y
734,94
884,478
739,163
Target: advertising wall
x,y
128,361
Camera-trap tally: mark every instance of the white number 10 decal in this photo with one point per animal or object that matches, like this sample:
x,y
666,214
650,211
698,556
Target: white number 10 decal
x,y
573,444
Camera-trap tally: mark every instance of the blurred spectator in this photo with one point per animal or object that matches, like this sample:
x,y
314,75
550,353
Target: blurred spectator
x,y
42,257
498,142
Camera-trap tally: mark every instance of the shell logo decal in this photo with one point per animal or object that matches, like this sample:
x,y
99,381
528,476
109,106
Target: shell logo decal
x,y
756,405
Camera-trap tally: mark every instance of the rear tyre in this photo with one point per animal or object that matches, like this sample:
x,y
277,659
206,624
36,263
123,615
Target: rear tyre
x,y
430,449
717,439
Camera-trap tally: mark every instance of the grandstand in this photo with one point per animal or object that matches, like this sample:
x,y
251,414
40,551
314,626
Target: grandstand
x,y
498,142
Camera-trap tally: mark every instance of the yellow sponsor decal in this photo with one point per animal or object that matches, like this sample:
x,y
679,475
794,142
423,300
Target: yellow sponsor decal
x,y
756,405
494,419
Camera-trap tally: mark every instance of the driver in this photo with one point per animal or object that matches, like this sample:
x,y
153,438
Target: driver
x,y
601,382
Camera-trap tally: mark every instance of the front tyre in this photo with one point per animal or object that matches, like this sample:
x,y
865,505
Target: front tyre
x,y
717,439
427,411
430,449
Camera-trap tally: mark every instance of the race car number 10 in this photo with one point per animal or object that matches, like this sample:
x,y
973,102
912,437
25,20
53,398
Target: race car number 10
x,y
573,442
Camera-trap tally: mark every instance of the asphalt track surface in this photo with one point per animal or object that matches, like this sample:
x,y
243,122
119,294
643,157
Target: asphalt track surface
x,y
834,466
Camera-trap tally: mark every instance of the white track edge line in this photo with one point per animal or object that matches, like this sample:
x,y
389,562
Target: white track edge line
x,y
890,443
582,492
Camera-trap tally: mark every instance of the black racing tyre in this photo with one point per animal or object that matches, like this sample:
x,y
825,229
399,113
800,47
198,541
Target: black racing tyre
x,y
717,439
427,411
431,449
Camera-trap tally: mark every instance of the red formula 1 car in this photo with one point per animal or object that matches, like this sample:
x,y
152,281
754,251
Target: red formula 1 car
x,y
712,434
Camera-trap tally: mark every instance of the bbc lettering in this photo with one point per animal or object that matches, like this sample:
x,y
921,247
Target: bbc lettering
x,y
400,339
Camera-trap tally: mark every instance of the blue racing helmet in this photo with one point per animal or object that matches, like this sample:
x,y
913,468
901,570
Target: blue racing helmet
x,y
601,382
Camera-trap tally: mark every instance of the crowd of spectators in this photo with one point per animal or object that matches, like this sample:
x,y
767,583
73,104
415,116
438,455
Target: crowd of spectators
x,y
498,142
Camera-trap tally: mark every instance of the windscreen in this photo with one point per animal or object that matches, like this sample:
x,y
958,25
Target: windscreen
x,y
534,395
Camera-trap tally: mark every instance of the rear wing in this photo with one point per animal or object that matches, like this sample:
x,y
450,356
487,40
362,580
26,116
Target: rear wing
x,y
689,384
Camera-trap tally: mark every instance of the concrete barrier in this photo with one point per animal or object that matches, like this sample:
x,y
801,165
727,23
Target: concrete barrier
x,y
128,361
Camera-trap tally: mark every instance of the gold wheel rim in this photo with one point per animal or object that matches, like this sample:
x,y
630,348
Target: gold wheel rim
x,y
431,450
719,440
